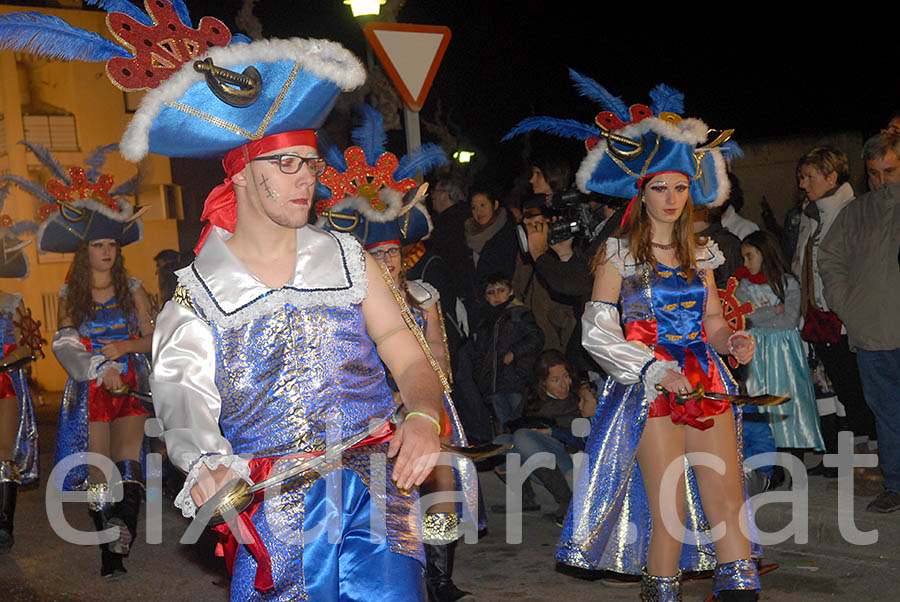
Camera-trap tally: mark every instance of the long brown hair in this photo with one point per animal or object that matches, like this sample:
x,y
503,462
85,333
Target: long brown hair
x,y
546,360
638,230
80,299
773,266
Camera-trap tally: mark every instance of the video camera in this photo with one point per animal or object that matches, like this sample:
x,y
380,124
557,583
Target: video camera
x,y
570,217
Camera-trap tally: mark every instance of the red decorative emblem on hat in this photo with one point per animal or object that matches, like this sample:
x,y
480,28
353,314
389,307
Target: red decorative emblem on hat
x,y
81,188
610,122
361,179
160,50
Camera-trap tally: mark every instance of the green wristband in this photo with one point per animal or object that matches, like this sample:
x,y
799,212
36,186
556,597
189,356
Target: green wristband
x,y
434,420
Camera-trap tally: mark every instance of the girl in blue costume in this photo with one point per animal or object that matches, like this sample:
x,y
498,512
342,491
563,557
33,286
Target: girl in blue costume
x,y
655,320
18,427
779,367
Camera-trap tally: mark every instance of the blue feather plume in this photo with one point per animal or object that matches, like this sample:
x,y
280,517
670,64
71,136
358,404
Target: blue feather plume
x,y
665,99
49,36
44,156
4,192
591,89
123,6
369,135
567,128
24,227
126,188
29,187
97,160
424,159
182,10
332,154
239,37
731,150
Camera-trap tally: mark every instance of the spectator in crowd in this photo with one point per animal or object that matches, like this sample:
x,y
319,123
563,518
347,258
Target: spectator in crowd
x,y
822,175
858,263
491,236
779,366
708,226
731,218
448,239
507,342
167,261
894,123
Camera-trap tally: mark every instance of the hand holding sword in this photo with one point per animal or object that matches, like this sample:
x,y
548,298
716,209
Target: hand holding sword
x,y
741,400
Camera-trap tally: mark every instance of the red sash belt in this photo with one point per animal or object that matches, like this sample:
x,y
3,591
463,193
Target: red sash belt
x,y
261,469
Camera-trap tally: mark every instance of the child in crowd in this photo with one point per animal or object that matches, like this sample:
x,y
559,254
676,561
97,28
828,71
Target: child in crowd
x,y
779,366
507,342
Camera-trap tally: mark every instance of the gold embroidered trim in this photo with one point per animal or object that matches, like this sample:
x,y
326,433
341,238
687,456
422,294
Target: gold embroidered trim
x,y
693,335
670,307
98,496
9,472
261,130
688,304
440,528
182,297
674,337
411,324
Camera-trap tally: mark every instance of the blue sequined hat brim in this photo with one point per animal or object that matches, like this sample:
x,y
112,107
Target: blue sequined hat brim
x,y
13,264
301,81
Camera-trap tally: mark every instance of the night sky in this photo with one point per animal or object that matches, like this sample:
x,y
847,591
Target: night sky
x,y
764,74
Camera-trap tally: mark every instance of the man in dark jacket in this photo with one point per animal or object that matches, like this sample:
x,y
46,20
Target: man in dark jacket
x,y
507,342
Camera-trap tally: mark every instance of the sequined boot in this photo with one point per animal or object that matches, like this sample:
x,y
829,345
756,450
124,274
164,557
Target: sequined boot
x,y
9,485
441,530
736,581
99,509
124,514
660,589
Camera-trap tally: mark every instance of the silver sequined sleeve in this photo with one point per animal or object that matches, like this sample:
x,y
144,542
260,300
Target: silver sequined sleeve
x,y
627,362
78,362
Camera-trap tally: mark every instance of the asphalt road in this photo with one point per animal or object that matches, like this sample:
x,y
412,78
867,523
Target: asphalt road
x,y
42,566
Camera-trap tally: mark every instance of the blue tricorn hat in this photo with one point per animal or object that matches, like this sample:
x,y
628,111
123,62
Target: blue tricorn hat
x,y
626,145
86,220
363,190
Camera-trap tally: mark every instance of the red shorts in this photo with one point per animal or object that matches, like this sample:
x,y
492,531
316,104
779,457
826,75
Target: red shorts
x,y
6,386
105,407
708,407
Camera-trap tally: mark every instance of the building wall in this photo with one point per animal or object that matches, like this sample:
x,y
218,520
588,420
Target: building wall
x,y
83,90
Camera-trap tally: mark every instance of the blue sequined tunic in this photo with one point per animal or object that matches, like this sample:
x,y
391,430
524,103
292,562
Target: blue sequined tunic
x,y
25,454
608,525
243,369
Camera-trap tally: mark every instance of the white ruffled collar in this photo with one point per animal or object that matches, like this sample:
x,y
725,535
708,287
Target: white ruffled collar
x,y
329,270
617,251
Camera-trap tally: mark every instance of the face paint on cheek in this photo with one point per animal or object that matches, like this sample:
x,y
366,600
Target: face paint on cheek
x,y
272,194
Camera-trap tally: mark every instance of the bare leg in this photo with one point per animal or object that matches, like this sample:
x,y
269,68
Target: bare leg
x,y
98,442
9,427
722,494
440,479
126,437
661,444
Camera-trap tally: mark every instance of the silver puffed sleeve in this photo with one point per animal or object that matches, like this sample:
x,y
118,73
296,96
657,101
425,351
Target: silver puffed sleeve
x,y
186,398
627,362
78,362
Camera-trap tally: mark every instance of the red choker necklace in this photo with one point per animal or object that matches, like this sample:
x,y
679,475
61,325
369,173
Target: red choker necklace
x,y
667,247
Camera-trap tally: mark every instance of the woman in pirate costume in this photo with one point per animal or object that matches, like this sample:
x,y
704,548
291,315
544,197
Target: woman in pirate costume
x,y
655,320
367,186
18,428
104,333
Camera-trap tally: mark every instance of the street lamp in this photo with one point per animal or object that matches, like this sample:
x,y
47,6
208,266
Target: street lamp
x,y
364,7
463,156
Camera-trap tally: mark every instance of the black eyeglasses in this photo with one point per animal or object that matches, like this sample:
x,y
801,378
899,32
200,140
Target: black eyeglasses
x,y
379,254
290,163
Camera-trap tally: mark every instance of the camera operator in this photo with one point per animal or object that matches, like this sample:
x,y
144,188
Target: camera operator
x,y
565,266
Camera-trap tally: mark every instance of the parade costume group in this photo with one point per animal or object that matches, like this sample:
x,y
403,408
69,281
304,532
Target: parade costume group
x,y
249,377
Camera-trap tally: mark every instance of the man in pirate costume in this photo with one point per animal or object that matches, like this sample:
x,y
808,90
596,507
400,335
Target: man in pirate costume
x,y
366,186
273,344
18,427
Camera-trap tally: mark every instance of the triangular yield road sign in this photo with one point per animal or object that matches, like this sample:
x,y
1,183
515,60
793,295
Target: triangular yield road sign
x,y
411,55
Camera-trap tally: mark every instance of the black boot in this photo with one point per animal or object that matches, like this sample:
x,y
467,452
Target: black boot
x,y
7,511
555,482
124,514
111,565
439,573
738,595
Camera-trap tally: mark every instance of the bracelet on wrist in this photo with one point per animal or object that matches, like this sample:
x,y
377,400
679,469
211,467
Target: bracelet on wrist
x,y
434,421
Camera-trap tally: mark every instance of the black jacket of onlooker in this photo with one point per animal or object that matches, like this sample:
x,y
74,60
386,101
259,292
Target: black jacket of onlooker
x,y
510,327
